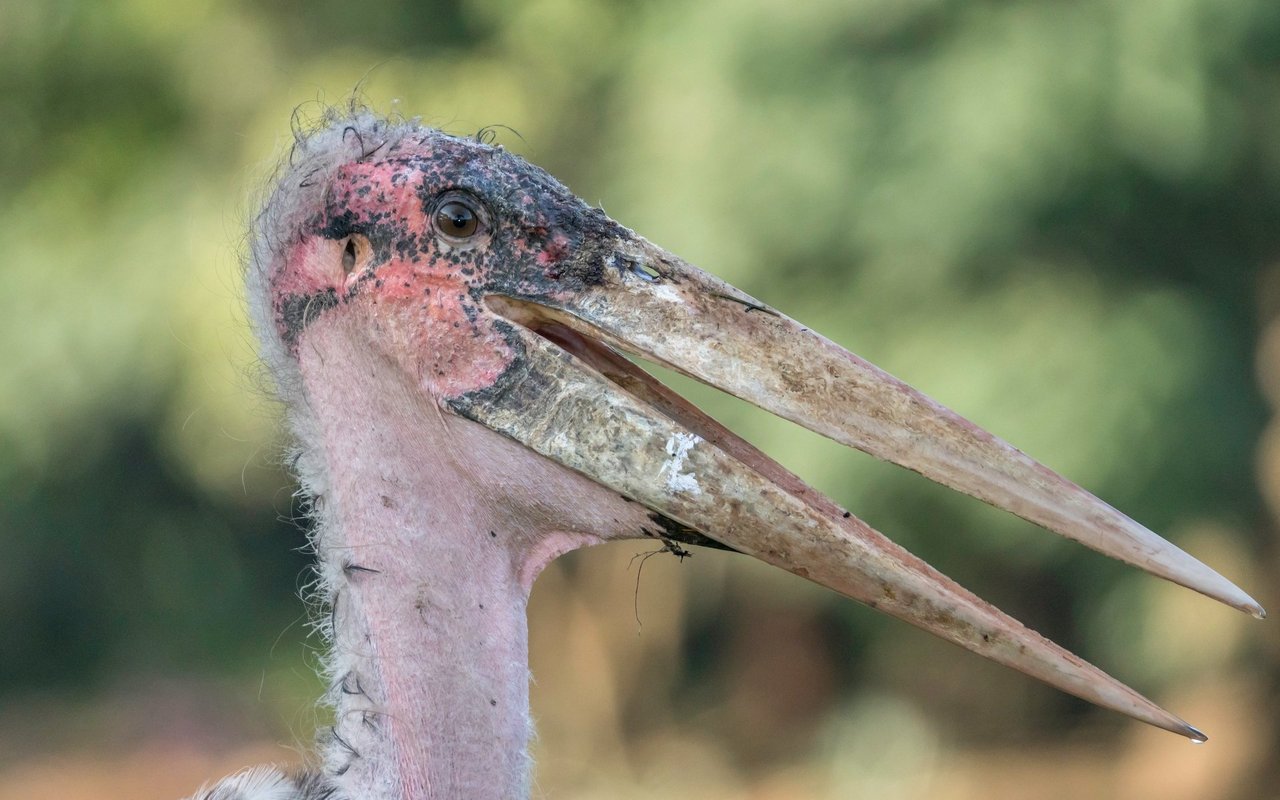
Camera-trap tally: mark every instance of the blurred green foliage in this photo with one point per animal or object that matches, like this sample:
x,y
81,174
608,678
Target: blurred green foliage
x,y
1051,216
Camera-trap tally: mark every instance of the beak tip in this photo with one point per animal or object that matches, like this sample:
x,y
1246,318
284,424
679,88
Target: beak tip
x,y
1194,734
1214,585
1239,599
1251,607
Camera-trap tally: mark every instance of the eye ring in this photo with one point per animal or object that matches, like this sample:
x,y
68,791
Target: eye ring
x,y
459,219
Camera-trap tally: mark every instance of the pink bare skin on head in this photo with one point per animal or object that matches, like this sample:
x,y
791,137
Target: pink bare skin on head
x,y
423,294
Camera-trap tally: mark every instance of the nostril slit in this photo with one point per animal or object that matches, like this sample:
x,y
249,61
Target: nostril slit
x,y
637,267
349,257
643,271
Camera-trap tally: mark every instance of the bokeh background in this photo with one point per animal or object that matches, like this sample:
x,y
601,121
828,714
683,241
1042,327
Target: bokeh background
x,y
1061,219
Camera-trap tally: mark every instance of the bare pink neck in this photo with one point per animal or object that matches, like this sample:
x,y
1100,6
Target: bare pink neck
x,y
430,662
432,530
431,643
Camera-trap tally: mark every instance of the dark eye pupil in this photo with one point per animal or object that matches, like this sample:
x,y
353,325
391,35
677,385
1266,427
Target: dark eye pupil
x,y
455,219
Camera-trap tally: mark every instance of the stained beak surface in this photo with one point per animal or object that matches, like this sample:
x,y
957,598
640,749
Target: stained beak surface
x,y
575,399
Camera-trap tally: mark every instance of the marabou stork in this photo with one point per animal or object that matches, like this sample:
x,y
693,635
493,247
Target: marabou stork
x,y
447,326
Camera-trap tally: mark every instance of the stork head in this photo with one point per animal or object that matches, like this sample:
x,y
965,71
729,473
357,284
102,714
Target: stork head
x,y
506,301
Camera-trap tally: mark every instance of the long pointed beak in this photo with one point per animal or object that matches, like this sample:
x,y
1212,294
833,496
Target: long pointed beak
x,y
574,399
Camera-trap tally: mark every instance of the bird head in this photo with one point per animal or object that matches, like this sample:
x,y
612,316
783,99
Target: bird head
x,y
506,302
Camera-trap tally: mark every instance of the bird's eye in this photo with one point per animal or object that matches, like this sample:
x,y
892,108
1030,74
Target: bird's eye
x,y
457,219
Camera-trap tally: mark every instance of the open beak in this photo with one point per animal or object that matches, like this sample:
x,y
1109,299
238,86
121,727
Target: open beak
x,y
574,398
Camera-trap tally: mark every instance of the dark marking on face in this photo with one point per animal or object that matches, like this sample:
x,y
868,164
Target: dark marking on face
x,y
537,227
337,222
295,312
535,240
518,385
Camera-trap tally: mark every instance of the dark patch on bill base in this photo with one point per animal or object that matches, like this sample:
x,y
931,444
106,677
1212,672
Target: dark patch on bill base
x,y
519,390
525,386
297,311
543,237
593,240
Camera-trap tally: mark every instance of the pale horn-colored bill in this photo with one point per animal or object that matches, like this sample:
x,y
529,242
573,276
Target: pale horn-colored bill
x,y
655,306
558,406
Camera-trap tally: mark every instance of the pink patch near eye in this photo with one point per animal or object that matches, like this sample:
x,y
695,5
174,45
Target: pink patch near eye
x,y
554,251
309,266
